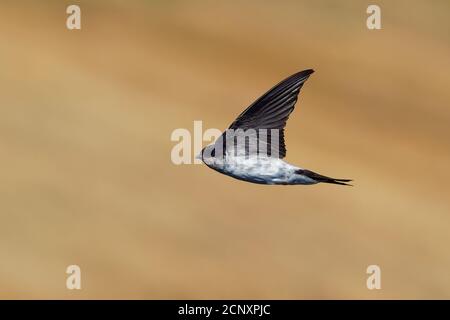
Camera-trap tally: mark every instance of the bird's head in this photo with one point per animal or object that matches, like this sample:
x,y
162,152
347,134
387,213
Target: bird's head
x,y
207,155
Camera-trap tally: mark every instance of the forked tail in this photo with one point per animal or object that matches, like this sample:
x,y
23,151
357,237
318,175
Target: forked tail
x,y
320,178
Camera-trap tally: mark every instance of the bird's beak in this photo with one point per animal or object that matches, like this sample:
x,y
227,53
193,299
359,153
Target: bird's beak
x,y
199,156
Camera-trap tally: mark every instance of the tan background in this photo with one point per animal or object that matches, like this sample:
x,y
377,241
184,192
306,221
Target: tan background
x,y
86,176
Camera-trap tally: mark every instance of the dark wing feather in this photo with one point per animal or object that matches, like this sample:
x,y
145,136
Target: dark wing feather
x,y
272,110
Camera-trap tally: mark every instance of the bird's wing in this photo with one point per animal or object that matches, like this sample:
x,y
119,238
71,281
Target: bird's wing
x,y
270,111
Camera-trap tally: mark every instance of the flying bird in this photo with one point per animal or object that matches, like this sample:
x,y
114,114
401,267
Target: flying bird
x,y
252,148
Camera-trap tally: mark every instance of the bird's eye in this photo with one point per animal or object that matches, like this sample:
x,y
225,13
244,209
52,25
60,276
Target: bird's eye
x,y
213,153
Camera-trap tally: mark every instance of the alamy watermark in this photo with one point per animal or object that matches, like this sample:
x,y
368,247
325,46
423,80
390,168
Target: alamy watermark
x,y
374,280
373,22
237,142
73,21
73,281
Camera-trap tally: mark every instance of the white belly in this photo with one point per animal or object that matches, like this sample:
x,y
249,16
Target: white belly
x,y
262,170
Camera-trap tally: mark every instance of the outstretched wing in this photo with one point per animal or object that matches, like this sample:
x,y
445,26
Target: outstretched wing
x,y
271,111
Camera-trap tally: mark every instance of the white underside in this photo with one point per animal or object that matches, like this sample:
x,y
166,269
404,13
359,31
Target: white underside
x,y
258,169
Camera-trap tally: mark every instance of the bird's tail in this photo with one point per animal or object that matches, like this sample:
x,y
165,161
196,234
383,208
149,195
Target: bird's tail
x,y
320,178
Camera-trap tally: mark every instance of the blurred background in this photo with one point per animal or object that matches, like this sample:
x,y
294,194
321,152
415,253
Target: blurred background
x,y
87,179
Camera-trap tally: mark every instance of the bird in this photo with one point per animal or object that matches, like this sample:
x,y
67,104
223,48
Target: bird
x,y
252,149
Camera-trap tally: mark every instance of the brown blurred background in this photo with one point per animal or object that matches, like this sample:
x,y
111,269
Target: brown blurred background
x,y
87,179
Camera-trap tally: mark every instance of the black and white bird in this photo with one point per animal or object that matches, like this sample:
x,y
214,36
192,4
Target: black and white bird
x,y
252,148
